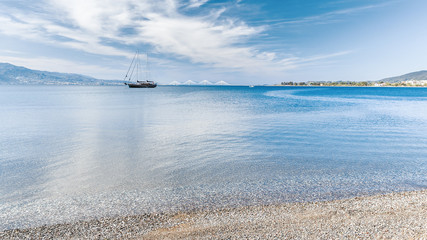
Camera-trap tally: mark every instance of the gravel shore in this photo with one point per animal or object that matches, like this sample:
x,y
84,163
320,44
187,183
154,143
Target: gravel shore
x,y
390,216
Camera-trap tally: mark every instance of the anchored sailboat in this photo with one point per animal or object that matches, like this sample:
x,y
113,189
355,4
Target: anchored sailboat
x,y
132,76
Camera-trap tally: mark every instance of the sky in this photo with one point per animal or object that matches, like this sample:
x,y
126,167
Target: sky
x,y
238,41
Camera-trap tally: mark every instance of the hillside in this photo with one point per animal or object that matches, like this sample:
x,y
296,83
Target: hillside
x,y
15,75
420,75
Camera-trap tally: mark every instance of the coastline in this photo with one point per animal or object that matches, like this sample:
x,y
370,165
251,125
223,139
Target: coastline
x,y
400,215
370,86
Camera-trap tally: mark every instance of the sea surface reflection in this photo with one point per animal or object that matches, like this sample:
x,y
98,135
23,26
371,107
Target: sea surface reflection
x,y
74,152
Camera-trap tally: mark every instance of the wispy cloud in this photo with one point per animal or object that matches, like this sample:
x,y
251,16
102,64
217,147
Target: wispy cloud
x,y
294,62
197,3
104,26
323,18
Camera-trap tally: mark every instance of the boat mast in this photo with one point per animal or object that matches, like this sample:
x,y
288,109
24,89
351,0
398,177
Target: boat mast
x,y
130,66
146,67
137,67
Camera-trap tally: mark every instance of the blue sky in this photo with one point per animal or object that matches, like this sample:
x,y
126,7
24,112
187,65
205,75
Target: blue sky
x,y
240,41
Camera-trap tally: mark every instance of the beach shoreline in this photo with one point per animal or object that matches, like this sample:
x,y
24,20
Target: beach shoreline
x,y
400,215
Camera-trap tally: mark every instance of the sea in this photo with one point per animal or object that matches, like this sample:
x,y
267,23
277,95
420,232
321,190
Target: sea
x,y
71,153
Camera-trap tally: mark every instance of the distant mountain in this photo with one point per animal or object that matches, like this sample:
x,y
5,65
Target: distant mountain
x,y
15,75
420,75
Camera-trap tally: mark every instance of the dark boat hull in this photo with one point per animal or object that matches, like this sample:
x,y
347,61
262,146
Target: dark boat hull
x,y
142,85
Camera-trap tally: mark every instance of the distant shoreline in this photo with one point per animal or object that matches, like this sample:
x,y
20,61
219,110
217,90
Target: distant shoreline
x,y
349,86
393,82
395,215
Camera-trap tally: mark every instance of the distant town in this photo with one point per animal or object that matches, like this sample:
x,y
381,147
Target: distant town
x,y
408,83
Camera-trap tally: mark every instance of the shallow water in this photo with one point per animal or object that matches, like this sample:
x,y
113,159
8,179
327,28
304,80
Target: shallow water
x,y
73,152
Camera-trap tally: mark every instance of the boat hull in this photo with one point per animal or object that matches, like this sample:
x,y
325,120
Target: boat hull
x,y
142,85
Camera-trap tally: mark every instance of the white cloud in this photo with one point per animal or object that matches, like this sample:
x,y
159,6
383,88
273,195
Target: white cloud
x,y
86,24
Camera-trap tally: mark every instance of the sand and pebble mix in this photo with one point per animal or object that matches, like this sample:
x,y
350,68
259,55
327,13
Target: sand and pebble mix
x,y
391,216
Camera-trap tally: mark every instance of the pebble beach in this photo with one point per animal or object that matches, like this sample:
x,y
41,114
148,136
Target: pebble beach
x,y
391,216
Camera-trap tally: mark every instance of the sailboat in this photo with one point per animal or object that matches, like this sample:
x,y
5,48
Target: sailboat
x,y
132,76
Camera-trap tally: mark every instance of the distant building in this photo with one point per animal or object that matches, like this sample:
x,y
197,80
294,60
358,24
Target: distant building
x,y
415,82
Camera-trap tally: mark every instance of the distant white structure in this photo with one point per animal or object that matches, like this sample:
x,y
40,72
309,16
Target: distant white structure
x,y
222,83
205,82
189,82
175,83
416,82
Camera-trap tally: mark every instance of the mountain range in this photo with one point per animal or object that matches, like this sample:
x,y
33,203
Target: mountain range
x,y
420,75
16,75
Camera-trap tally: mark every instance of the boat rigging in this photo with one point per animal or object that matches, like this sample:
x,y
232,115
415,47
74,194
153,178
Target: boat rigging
x,y
132,76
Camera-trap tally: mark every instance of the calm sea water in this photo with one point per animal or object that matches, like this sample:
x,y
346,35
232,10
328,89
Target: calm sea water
x,y
72,152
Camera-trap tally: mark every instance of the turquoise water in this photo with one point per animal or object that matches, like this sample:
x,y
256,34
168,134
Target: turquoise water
x,y
73,152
